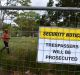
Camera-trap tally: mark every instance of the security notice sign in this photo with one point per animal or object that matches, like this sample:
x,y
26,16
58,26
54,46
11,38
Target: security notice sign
x,y
59,45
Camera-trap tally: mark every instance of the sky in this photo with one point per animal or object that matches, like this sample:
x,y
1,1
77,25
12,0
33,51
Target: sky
x,y
34,2
39,2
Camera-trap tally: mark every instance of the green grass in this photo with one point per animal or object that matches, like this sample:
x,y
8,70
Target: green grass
x,y
22,44
23,53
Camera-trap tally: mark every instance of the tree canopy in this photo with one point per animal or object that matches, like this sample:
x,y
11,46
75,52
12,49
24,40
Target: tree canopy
x,y
27,20
64,18
11,13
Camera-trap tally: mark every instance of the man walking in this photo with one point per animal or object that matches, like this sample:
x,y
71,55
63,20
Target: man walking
x,y
5,37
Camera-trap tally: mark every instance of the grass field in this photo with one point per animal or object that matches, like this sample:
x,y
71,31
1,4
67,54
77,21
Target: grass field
x,y
22,52
20,45
22,57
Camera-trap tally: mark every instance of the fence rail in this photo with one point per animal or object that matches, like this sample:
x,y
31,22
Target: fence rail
x,y
39,8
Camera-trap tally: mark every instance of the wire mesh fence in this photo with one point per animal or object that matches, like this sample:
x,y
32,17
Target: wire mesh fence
x,y
24,34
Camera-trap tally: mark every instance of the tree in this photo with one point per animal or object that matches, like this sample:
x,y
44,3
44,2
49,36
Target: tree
x,y
45,20
12,13
27,21
50,13
68,3
69,19
25,2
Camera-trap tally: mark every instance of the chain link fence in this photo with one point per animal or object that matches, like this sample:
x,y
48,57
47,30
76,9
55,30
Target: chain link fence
x,y
24,40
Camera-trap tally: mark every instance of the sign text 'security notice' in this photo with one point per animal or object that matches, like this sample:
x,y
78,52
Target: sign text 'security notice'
x,y
59,45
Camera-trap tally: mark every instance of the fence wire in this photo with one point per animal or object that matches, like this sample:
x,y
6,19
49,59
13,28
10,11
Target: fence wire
x,y
24,42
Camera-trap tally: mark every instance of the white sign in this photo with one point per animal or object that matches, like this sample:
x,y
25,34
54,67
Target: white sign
x,y
59,45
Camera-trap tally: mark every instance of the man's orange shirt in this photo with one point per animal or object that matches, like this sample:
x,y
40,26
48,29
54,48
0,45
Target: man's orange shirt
x,y
5,37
